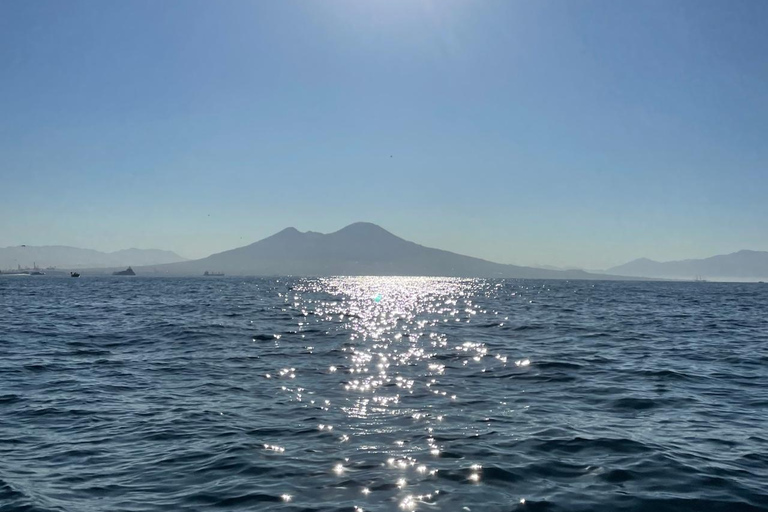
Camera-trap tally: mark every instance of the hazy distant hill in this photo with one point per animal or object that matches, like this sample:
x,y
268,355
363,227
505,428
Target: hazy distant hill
x,y
138,257
358,249
740,266
71,257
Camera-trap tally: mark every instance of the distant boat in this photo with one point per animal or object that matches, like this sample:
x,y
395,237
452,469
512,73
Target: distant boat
x,y
74,274
37,273
699,279
127,272
213,274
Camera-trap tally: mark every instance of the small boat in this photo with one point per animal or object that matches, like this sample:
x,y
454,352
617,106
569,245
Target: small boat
x,y
127,272
74,274
213,274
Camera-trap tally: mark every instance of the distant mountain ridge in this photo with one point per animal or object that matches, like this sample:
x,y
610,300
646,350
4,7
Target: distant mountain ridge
x,y
361,248
743,265
72,257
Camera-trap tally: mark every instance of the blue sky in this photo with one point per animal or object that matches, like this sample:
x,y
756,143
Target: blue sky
x,y
580,133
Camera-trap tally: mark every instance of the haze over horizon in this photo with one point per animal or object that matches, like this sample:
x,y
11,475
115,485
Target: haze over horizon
x,y
548,133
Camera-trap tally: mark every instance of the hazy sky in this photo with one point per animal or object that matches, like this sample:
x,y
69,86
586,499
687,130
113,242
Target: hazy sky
x,y
533,132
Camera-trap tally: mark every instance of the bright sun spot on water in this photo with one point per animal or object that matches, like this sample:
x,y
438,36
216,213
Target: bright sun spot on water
x,y
408,503
388,348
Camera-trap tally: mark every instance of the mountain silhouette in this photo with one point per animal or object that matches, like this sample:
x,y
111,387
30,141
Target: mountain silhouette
x,y
72,257
358,249
739,266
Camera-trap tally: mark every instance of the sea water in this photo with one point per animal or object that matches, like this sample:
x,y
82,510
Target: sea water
x,y
382,394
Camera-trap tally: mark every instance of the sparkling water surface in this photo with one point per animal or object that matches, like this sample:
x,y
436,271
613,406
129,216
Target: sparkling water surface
x,y
381,394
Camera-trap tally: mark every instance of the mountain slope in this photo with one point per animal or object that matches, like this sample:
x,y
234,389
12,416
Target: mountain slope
x,y
741,265
73,257
358,249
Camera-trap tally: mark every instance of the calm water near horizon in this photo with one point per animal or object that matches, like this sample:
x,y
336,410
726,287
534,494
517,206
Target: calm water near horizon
x,y
382,394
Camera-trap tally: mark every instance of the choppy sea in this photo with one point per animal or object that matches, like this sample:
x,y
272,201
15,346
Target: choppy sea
x,y
381,394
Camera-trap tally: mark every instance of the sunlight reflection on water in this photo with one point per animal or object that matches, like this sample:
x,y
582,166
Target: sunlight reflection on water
x,y
390,374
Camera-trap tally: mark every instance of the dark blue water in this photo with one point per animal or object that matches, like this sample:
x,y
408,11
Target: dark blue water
x,y
381,394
